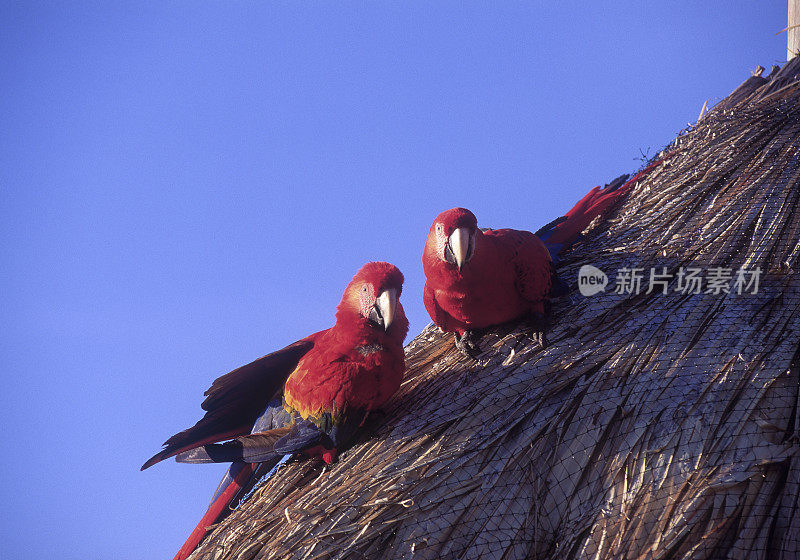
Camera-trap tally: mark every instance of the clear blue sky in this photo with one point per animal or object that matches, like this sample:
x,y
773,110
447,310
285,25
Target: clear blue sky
x,y
184,188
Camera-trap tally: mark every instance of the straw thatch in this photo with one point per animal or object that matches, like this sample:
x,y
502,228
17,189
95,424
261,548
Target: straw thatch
x,y
653,425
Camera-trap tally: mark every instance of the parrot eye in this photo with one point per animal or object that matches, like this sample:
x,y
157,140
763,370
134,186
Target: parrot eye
x,y
364,288
439,227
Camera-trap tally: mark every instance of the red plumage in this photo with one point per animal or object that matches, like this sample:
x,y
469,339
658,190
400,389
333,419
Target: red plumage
x,y
507,276
480,278
327,384
215,511
353,366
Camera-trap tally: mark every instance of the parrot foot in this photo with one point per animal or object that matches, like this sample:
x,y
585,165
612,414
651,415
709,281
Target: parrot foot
x,y
468,344
321,452
536,327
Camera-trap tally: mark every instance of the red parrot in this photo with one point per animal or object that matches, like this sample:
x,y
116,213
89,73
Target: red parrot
x,y
478,278
309,397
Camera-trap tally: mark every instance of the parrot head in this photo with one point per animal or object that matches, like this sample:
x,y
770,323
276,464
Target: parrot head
x,y
452,236
373,294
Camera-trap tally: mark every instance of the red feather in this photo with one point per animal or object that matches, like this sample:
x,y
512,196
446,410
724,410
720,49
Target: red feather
x,y
332,379
235,400
510,272
353,365
508,276
215,511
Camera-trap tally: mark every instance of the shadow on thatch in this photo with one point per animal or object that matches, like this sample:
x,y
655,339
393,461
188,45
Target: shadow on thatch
x,y
653,425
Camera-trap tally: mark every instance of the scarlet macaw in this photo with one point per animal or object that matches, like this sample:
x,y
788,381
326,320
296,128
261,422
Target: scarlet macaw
x,y
478,278
309,397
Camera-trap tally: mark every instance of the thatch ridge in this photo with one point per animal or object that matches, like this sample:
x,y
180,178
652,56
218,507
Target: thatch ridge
x,y
652,426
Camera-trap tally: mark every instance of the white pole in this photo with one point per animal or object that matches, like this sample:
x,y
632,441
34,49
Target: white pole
x,y
793,30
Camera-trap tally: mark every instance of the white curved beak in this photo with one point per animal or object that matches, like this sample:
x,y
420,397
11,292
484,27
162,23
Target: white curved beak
x,y
386,303
459,244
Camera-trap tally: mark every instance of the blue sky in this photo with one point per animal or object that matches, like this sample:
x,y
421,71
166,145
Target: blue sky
x,y
186,187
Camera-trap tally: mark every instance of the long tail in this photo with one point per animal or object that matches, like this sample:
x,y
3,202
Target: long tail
x,y
240,474
562,232
253,457
240,479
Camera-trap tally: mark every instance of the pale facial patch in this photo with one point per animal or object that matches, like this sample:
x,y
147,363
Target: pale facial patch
x,y
366,299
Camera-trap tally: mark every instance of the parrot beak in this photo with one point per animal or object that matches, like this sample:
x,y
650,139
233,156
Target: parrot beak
x,y
459,244
384,308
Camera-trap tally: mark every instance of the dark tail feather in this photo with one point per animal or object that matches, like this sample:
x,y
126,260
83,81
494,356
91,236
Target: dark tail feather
x,y
253,448
175,449
258,447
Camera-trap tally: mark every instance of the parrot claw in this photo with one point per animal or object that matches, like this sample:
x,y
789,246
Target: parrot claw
x,y
539,338
468,344
321,452
537,325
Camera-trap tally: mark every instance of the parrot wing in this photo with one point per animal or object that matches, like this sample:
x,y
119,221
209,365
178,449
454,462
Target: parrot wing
x,y
258,447
533,269
439,316
252,448
235,400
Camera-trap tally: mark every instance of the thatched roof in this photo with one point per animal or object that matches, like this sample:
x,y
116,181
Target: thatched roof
x,y
652,426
